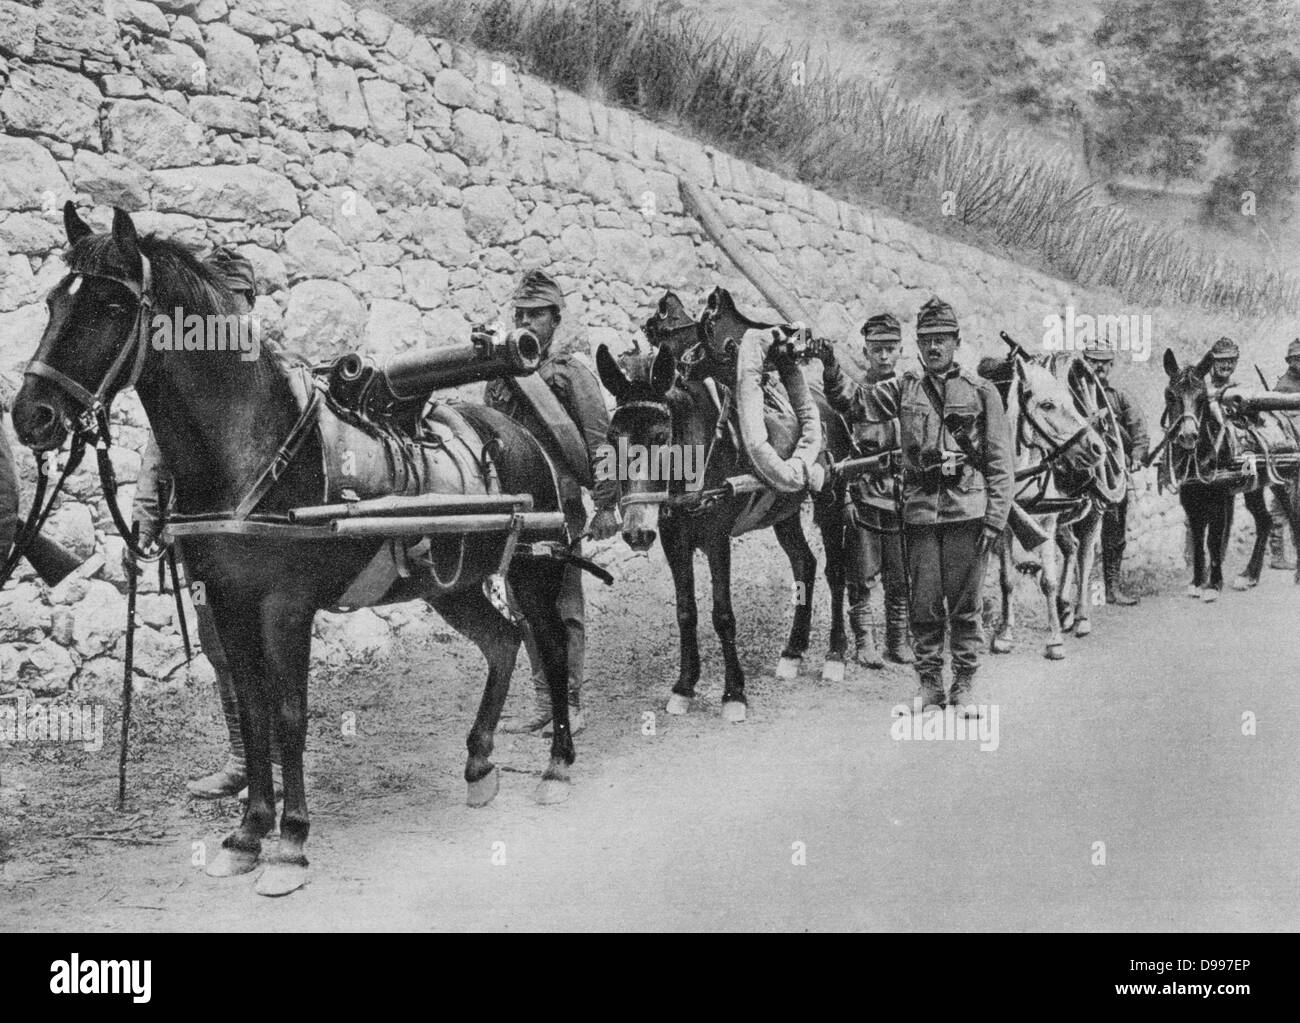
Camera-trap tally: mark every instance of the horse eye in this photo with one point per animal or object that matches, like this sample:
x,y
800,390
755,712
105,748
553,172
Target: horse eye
x,y
116,309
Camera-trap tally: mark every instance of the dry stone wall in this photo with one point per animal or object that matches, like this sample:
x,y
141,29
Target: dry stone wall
x,y
388,188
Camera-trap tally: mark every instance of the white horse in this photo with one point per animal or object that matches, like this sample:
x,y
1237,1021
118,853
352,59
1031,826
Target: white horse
x,y
1058,454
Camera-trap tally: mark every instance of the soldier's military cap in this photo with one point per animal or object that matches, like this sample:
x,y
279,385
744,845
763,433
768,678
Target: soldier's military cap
x,y
235,269
936,317
1225,348
536,290
1099,350
882,328
1293,349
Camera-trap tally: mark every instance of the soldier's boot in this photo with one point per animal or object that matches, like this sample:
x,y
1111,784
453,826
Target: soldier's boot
x,y
964,695
1277,547
898,647
225,781
862,622
931,691
540,714
1110,561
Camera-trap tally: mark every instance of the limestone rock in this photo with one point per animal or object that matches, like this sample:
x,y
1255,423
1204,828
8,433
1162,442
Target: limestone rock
x,y
233,66
313,250
246,193
155,135
396,175
110,180
386,104
17,30
339,96
425,282
393,327
290,87
174,65
323,318
99,619
225,113
52,101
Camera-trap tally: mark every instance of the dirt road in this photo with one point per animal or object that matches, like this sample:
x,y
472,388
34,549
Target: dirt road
x,y
810,815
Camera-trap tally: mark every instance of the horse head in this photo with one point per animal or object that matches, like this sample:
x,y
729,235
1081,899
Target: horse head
x,y
722,328
1050,420
645,391
672,327
1186,399
97,341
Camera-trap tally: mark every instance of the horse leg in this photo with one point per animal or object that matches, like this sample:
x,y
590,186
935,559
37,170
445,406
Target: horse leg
x,y
1067,544
1196,520
239,632
538,599
803,565
1003,640
681,563
286,642
1258,508
1088,547
1220,529
724,623
475,617
1049,582
834,532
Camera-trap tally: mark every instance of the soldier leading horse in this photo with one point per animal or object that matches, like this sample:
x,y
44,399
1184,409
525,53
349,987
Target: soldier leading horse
x,y
221,423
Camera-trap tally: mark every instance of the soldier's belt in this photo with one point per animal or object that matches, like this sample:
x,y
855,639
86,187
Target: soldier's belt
x,y
946,471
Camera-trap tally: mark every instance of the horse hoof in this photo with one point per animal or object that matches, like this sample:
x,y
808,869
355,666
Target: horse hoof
x,y
1194,592
484,790
1083,627
281,877
1001,645
833,671
788,667
1243,582
734,710
551,791
231,863
1055,652
678,704
1068,622
1209,596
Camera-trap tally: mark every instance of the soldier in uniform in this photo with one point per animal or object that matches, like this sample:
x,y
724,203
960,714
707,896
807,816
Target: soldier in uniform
x,y
1133,428
539,306
1287,383
955,506
874,544
152,487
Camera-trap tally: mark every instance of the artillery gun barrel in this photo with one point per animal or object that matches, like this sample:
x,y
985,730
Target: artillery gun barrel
x,y
415,374
412,504
531,524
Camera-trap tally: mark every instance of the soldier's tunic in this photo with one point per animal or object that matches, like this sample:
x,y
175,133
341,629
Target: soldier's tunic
x,y
8,495
947,503
874,545
1133,428
579,394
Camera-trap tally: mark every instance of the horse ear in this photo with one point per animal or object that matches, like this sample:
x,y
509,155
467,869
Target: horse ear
x,y
611,373
663,371
1207,360
73,224
124,236
1171,363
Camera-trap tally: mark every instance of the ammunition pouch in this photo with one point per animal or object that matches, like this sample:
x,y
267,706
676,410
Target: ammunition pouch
x,y
937,470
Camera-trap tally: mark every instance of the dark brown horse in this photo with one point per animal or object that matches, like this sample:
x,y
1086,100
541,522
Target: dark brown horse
x,y
669,396
1208,477
220,421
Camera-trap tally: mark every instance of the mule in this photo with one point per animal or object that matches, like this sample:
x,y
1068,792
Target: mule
x,y
656,405
220,421
1057,454
1197,464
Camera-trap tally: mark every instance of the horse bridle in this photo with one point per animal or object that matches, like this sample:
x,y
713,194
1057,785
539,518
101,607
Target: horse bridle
x,y
1052,449
663,412
93,419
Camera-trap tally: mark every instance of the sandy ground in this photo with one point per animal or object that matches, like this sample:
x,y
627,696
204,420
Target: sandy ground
x,y
808,816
